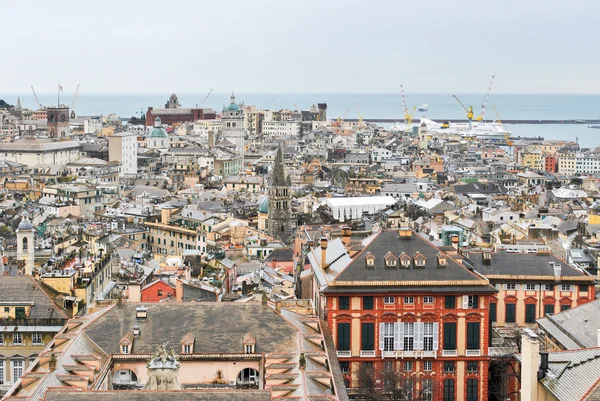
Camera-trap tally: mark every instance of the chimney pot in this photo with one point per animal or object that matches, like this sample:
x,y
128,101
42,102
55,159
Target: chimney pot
x,y
324,252
557,270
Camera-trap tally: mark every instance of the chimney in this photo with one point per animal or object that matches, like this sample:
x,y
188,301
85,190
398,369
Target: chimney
x,y
346,233
136,331
52,363
543,365
487,258
530,356
323,252
557,270
454,240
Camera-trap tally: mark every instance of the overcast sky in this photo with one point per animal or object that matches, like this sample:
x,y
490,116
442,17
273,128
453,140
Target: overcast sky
x,y
311,46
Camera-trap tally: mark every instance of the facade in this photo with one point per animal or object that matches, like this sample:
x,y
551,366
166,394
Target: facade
x,y
282,128
232,121
26,245
401,305
173,113
566,162
156,291
550,163
122,147
29,321
280,223
58,122
32,152
588,164
89,199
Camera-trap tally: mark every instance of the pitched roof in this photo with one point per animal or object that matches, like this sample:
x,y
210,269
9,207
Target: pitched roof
x,y
575,328
161,395
26,289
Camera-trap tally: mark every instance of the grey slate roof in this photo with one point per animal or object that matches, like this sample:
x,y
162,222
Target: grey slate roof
x,y
575,328
389,241
190,395
530,264
218,328
25,289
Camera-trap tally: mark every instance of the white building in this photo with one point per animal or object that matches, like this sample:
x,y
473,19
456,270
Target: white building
x,y
499,215
589,164
381,154
122,147
282,128
92,125
351,208
232,121
33,151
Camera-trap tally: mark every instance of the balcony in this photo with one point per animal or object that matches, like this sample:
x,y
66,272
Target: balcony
x,y
449,352
367,354
344,354
473,352
408,354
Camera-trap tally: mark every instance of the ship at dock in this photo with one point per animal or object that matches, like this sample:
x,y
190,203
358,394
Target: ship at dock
x,y
493,131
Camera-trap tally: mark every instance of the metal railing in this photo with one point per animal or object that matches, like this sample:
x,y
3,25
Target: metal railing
x,y
344,354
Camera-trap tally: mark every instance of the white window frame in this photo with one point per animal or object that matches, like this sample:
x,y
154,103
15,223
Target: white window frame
x,y
420,262
511,287
388,366
408,366
187,349
409,300
548,287
124,349
428,299
18,365
17,338
388,337
530,287
428,336
563,286
389,300
408,336
2,382
427,366
249,349
37,338
1,338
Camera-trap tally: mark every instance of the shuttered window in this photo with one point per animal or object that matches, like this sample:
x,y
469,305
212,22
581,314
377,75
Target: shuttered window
x,y
450,335
450,302
493,312
548,308
448,389
511,313
343,336
367,336
368,303
344,303
530,313
473,335
472,390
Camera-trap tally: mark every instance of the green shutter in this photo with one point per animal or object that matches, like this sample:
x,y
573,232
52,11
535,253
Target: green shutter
x,y
493,312
450,335
368,336
473,335
530,313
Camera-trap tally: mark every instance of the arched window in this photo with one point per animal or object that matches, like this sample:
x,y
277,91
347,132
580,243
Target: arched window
x,y
25,244
125,376
248,376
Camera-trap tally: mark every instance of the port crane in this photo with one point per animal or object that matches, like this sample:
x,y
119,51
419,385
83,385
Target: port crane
x,y
74,101
486,99
205,98
343,116
37,102
407,117
409,121
360,120
469,110
509,142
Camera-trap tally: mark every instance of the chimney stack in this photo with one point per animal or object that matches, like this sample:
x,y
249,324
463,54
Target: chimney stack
x,y
52,362
529,366
557,269
324,252
543,365
346,233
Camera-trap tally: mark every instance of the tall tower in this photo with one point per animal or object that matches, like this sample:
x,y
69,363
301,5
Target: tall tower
x,y
232,121
25,244
58,122
280,223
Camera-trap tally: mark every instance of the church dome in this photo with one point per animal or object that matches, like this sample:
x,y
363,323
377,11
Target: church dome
x,y
263,205
232,107
25,225
158,132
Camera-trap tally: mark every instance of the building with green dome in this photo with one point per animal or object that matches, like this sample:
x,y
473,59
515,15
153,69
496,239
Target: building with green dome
x,y
232,121
158,137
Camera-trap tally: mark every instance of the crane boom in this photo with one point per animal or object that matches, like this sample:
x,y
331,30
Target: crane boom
x,y
205,98
406,115
469,110
36,99
409,121
506,135
358,112
486,99
75,97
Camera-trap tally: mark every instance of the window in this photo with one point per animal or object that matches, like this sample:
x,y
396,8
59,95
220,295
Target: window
x,y
530,313
450,335
472,366
427,300
473,301
249,349
389,300
565,307
1,372
472,390
368,303
36,338
548,309
449,366
345,367
7,309
565,287
17,339
427,366
450,302
388,366
408,366
426,389
493,312
409,336
160,292
17,369
344,303
511,286
20,313
583,288
428,335
343,336
124,349
409,300
448,390
1,338
367,337
473,329
511,313
388,336
530,286
187,349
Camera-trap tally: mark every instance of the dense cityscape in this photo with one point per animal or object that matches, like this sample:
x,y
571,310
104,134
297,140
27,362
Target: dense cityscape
x,y
253,254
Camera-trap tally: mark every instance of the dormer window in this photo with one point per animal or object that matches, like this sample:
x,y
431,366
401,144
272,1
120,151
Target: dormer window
x,y
390,260
405,260
187,344
126,343
124,349
187,349
249,343
420,259
249,349
442,260
370,260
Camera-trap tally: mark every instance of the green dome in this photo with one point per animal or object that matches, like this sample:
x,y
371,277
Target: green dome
x,y
232,107
158,132
263,205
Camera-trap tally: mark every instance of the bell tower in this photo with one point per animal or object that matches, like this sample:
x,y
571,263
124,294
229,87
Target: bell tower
x,y
280,223
58,122
26,244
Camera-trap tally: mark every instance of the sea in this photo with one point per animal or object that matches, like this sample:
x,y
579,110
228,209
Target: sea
x,y
389,106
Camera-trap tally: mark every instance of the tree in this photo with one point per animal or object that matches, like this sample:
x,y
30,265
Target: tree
x,y
381,384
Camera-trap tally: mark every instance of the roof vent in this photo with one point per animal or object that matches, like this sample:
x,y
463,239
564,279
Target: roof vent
x,y
141,312
136,331
405,233
557,269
